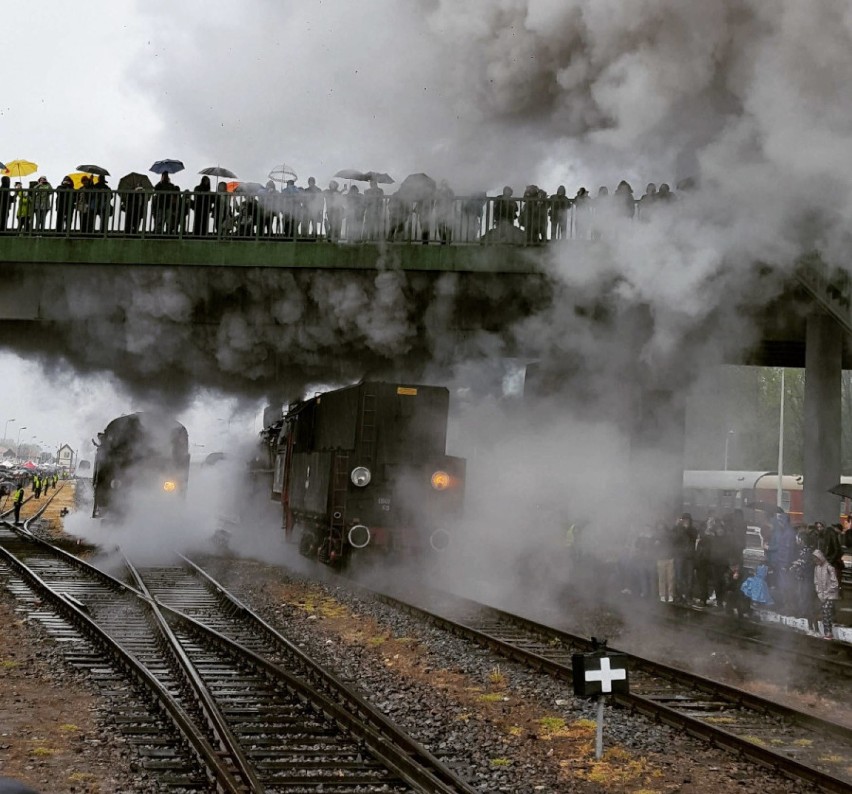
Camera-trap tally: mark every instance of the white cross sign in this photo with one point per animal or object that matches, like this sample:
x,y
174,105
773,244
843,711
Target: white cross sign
x,y
605,675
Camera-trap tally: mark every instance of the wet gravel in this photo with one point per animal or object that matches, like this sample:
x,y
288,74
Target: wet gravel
x,y
468,741
467,738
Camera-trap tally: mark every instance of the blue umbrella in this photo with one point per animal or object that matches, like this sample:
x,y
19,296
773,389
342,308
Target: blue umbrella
x,y
167,167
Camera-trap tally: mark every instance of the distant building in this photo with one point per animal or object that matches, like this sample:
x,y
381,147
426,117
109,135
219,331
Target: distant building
x,y
7,453
65,457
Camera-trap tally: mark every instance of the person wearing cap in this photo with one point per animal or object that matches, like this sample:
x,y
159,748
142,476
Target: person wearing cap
x,y
827,588
42,200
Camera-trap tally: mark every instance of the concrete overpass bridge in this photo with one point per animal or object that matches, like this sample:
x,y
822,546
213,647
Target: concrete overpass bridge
x,y
445,275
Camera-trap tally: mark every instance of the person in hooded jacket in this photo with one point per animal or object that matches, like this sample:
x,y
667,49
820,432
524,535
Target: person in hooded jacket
x,y
202,208
64,204
828,591
828,543
756,589
780,555
802,572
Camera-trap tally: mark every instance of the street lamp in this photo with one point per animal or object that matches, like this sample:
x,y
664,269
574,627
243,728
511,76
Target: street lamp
x,y
18,445
5,428
727,439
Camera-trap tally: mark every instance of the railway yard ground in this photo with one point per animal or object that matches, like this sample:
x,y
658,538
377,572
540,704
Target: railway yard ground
x,y
499,725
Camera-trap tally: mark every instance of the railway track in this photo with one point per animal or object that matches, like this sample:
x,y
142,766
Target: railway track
x,y
221,702
834,658
800,745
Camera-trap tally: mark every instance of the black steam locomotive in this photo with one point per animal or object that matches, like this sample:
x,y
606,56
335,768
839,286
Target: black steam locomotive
x,y
366,465
140,456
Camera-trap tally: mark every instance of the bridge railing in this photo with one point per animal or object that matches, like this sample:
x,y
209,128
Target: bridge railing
x,y
326,216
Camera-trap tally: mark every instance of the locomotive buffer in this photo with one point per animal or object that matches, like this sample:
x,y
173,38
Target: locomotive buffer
x,y
596,675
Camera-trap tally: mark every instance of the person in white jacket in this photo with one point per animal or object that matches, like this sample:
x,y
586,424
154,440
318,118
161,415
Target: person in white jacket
x,y
827,590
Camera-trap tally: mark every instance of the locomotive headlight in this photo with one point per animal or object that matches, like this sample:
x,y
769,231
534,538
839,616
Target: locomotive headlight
x,y
440,480
169,486
115,483
360,476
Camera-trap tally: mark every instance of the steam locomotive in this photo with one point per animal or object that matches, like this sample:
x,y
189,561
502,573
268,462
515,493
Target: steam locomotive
x,y
141,455
366,465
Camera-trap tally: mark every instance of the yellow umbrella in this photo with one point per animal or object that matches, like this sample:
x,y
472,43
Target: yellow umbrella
x,y
77,178
20,168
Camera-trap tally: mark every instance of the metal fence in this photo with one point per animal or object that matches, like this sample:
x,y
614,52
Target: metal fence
x,y
304,216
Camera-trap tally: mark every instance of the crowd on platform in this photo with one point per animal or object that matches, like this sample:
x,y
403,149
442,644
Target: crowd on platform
x,y
422,210
798,572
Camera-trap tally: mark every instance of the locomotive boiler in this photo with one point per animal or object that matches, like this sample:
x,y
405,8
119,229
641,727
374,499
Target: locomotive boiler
x,y
365,467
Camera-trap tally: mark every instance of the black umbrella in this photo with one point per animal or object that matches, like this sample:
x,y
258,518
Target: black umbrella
x,y
167,167
215,170
93,169
365,176
351,173
133,180
380,176
417,186
843,489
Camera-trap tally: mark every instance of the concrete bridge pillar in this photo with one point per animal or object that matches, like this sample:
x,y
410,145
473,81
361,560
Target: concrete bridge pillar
x,y
823,366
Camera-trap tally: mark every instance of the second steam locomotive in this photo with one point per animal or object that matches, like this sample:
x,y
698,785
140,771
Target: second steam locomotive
x,y
366,465
140,456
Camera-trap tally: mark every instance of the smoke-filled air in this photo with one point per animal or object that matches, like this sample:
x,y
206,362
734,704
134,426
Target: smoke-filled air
x,y
749,100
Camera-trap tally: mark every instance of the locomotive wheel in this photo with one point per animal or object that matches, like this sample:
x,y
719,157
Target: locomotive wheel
x,y
308,544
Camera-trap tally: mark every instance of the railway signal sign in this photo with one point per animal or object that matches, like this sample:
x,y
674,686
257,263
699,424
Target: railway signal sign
x,y
599,673
596,675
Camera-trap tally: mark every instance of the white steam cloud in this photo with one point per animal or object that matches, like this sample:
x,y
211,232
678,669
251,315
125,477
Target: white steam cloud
x,y
752,98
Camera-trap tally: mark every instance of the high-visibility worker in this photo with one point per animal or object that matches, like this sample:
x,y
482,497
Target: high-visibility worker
x,y
17,501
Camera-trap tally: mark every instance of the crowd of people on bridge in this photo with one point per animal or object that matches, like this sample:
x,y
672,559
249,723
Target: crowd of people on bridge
x,y
418,211
796,570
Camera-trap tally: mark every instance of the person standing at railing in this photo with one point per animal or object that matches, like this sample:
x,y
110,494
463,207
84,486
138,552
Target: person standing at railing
x,y
85,206
471,216
624,201
505,213
223,218
529,214
291,208
101,205
559,206
646,203
64,204
334,210
445,205
582,211
42,200
166,207
24,208
354,214
5,202
133,203
374,206
313,208
202,207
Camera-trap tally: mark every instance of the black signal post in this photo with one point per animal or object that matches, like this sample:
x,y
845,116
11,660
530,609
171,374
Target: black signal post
x,y
596,675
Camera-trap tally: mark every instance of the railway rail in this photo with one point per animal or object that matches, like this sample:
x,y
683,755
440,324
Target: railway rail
x,y
802,746
834,658
222,702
